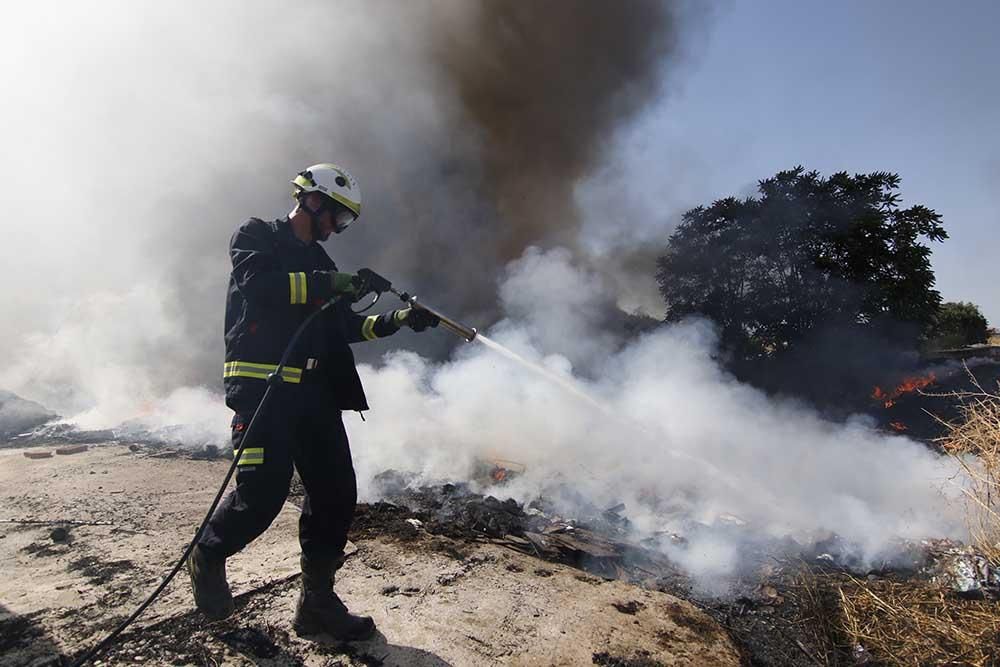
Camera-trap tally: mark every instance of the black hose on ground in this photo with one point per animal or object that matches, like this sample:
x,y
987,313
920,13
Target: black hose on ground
x,y
273,380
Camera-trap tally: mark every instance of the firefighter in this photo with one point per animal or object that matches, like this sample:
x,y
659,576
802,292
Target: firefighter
x,y
280,275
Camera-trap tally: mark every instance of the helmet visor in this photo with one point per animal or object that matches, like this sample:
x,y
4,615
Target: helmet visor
x,y
342,219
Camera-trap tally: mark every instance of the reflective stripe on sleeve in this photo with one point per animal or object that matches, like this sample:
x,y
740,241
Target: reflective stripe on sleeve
x,y
297,288
252,456
368,328
245,369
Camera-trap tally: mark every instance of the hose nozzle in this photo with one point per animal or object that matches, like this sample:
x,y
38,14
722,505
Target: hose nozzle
x,y
454,326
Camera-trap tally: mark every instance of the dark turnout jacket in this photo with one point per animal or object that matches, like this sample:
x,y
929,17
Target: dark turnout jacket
x,y
277,281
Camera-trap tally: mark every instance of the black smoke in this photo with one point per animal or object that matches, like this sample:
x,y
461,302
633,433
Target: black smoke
x,y
528,95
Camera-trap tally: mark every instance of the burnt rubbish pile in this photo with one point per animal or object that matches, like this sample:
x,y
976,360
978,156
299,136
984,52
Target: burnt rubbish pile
x,y
604,542
781,606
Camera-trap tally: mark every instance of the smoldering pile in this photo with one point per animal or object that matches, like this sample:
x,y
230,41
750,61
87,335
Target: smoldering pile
x,y
30,425
781,607
603,542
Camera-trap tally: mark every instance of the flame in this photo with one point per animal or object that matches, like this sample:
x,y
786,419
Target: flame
x,y
899,427
915,383
499,474
908,385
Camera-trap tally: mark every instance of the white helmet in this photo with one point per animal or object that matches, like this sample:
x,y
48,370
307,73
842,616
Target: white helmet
x,y
333,181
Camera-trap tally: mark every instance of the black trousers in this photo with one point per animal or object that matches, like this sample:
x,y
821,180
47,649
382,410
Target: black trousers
x,y
299,426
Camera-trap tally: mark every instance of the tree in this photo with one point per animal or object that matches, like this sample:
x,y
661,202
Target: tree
x,y
957,325
808,252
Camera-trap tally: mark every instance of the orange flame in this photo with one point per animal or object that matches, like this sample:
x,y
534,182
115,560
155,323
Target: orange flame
x,y
913,384
899,427
499,475
907,386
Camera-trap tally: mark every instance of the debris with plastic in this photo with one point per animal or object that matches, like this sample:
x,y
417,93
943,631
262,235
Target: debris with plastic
x,y
967,573
860,655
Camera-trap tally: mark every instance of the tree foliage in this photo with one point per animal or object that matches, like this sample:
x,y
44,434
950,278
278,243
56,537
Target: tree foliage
x,y
806,252
958,324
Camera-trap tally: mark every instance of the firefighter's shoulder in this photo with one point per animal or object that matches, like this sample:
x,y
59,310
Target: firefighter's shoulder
x,y
253,228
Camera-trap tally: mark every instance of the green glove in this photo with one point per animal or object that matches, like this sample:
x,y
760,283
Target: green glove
x,y
417,319
344,284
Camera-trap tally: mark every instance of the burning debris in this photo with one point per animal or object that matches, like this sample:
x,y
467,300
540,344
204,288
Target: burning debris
x,y
907,386
921,403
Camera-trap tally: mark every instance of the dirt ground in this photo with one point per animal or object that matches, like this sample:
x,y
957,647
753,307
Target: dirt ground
x,y
128,514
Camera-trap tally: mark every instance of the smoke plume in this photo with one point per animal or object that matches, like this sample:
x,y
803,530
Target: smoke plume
x,y
547,84
148,131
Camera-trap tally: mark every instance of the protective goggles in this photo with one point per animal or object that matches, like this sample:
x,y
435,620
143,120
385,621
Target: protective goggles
x,y
342,219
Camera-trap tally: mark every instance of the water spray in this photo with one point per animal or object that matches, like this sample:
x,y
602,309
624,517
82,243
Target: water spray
x,y
376,284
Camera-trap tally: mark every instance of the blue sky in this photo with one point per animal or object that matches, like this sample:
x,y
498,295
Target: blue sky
x,y
910,87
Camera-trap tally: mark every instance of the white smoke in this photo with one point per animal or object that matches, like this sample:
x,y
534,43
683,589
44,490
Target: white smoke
x,y
675,438
138,135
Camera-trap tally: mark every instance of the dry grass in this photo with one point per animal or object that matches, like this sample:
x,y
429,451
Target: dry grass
x,y
975,444
919,622
817,597
885,622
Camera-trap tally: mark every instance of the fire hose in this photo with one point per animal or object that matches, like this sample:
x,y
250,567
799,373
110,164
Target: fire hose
x,y
373,284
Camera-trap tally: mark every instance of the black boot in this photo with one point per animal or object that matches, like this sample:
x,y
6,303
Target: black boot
x,y
208,581
319,609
